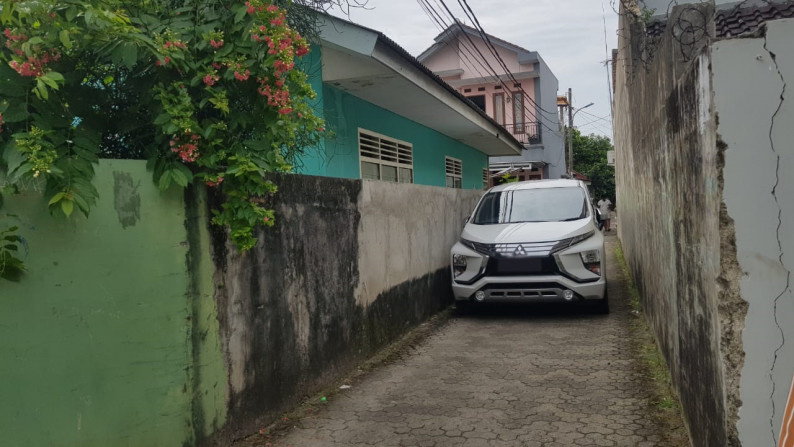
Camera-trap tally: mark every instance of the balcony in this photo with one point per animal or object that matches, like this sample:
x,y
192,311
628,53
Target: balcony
x,y
526,133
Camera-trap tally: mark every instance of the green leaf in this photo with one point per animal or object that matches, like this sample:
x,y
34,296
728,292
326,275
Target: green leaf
x,y
54,75
241,11
47,80
67,206
65,41
57,198
165,181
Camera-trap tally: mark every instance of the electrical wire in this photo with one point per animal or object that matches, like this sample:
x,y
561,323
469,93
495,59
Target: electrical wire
x,y
482,59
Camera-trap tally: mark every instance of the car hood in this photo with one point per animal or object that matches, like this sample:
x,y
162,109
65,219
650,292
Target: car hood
x,y
525,231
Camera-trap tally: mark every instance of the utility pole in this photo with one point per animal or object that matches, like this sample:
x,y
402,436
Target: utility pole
x,y
570,132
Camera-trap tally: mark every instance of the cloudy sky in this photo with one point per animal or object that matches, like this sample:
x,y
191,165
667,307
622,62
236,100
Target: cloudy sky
x,y
568,34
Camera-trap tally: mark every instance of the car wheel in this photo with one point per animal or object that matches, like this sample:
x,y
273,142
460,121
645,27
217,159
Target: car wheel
x,y
602,306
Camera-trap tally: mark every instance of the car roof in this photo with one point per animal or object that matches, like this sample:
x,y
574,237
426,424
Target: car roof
x,y
537,184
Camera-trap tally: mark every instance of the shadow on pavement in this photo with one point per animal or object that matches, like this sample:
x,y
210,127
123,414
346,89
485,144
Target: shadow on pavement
x,y
530,311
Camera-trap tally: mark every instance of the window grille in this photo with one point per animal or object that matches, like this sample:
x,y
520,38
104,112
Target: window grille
x,y
385,158
454,171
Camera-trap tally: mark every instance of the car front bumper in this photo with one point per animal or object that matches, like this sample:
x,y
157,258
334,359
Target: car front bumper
x,y
529,288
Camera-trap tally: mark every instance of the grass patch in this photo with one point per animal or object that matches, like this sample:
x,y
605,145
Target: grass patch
x,y
665,403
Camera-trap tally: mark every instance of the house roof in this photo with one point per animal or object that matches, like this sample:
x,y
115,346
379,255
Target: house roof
x,y
737,21
525,56
367,64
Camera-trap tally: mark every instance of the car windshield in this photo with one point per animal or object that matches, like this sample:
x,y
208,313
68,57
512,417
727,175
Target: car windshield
x,y
531,205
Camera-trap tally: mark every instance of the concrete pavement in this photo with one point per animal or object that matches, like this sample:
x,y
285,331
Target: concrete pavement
x,y
548,376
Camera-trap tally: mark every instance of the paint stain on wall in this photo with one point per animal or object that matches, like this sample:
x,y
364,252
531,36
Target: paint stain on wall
x,y
126,199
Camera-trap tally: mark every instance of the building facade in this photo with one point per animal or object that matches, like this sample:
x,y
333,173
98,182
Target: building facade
x,y
391,119
512,85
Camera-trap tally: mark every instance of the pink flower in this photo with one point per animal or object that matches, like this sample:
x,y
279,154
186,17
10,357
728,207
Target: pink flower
x,y
216,43
272,8
210,80
285,111
215,183
242,76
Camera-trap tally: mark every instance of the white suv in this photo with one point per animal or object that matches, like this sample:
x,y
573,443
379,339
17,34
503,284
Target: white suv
x,y
531,241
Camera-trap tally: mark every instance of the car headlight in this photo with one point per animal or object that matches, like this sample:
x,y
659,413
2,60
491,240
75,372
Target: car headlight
x,y
459,264
565,243
592,260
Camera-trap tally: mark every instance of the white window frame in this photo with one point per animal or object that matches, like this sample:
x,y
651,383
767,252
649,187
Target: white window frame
x,y
453,169
486,178
383,150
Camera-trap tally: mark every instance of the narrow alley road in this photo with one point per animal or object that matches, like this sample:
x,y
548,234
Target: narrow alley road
x,y
508,376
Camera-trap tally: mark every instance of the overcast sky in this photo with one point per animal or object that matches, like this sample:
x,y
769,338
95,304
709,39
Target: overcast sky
x,y
568,34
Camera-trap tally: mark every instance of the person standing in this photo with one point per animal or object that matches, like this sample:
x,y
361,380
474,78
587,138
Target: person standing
x,y
604,206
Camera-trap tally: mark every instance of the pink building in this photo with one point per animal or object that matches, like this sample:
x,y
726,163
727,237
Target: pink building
x,y
513,85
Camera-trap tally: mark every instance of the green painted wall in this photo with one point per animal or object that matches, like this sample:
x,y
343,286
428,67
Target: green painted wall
x,y
345,113
96,342
312,160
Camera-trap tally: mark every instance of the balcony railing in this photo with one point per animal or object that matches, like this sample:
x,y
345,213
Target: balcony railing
x,y
526,133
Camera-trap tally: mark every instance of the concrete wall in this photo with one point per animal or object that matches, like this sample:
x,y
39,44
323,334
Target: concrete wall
x,y
96,344
703,150
752,83
349,266
139,326
668,191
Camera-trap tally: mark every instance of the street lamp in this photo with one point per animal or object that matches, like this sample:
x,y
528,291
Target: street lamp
x,y
570,137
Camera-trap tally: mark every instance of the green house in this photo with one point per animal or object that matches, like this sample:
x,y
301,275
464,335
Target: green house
x,y
391,118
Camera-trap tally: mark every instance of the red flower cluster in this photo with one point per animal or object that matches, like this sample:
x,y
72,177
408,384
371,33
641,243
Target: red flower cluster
x,y
277,98
302,50
210,79
14,37
1,123
252,9
215,183
174,44
216,43
34,66
187,151
165,61
282,67
242,76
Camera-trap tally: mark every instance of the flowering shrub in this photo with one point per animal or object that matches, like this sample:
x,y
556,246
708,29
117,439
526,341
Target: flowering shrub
x,y
208,91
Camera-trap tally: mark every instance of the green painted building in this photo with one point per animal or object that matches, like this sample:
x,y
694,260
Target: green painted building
x,y
391,119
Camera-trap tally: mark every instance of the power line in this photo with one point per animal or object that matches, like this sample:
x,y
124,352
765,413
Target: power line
x,y
487,39
432,13
492,71
606,62
604,118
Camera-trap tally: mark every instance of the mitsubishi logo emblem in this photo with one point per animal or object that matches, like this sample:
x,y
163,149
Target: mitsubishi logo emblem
x,y
519,251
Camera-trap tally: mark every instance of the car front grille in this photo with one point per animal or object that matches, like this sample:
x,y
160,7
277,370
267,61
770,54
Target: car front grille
x,y
518,250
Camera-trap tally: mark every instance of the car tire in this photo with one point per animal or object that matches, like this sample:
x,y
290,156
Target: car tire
x,y
602,306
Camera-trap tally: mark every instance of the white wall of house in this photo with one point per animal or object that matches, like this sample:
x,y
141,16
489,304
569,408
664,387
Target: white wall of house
x,y
755,122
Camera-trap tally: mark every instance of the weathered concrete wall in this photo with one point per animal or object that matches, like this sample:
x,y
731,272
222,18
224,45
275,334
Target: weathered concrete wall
x,y
139,327
669,202
349,266
753,79
95,341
